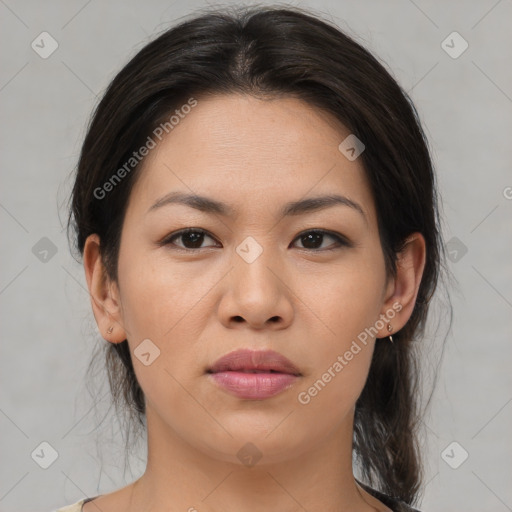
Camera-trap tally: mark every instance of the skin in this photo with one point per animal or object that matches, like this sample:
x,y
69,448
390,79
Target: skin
x,y
255,155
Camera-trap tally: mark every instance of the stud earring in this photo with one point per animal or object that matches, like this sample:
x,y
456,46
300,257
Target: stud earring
x,y
110,329
390,329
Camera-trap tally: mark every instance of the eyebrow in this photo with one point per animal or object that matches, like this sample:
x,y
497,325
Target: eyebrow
x,y
293,208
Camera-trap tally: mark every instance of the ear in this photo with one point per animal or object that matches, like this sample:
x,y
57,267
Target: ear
x,y
402,290
104,293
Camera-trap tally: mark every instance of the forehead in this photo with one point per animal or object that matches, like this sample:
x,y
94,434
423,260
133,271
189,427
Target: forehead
x,y
251,153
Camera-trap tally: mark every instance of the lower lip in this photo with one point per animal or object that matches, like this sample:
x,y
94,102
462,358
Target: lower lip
x,y
253,386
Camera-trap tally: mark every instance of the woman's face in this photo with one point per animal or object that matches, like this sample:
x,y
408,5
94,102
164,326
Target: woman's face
x,y
255,279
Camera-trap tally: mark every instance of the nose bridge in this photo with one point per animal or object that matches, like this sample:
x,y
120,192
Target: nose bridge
x,y
254,261
256,291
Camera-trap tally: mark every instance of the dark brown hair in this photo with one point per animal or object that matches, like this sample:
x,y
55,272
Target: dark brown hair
x,y
269,52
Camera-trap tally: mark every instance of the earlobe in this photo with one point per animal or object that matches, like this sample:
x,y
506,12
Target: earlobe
x,y
403,288
105,299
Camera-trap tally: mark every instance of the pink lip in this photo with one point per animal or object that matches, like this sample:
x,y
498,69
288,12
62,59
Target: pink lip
x,y
275,373
253,386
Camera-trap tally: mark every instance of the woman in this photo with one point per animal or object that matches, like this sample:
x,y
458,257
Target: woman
x,y
255,205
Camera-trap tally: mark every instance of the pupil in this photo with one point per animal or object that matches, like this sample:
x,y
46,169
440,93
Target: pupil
x,y
311,237
195,237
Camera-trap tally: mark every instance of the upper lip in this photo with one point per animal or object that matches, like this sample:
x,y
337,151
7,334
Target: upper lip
x,y
265,360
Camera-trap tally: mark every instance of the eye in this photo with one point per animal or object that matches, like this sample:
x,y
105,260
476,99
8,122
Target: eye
x,y
313,239
192,238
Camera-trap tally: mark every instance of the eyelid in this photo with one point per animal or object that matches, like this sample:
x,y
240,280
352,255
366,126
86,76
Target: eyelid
x,y
341,240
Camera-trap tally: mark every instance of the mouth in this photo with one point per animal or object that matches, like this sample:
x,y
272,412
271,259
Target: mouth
x,y
254,361
253,375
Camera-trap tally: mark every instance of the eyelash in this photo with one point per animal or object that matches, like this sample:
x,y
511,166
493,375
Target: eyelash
x,y
340,240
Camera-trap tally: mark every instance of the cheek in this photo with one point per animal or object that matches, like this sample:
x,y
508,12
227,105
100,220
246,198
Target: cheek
x,y
156,295
162,303
347,299
348,303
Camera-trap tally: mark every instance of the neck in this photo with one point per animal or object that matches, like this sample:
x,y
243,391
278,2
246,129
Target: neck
x,y
195,479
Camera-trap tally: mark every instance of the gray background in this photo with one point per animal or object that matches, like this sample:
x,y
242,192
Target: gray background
x,y
47,328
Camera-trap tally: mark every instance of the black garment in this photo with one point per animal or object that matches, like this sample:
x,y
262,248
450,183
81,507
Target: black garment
x,y
394,504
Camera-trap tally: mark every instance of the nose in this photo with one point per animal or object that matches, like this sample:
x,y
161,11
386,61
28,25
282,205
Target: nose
x,y
257,295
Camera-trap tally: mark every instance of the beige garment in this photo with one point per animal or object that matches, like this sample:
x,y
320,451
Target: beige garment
x,y
76,507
